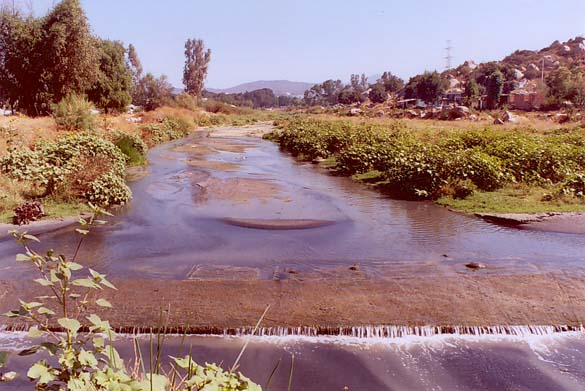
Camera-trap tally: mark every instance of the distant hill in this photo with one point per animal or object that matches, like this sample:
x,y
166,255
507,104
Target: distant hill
x,y
529,65
279,87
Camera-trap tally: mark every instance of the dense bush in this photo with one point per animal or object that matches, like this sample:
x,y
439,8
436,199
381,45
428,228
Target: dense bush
x,y
72,166
416,165
74,113
485,171
575,186
132,146
165,130
108,189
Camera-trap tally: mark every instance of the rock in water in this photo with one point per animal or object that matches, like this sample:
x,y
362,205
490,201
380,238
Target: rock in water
x,y
475,265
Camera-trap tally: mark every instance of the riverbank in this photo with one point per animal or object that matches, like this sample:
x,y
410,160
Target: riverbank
x,y
569,222
474,170
28,144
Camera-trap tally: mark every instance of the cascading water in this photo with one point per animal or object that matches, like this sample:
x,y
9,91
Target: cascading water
x,y
352,332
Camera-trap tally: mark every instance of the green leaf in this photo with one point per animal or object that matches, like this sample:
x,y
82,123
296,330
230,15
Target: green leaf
x,y
86,283
41,372
72,325
185,363
4,358
23,258
34,332
108,284
44,282
74,266
45,311
31,237
154,382
31,305
82,231
87,358
103,303
99,343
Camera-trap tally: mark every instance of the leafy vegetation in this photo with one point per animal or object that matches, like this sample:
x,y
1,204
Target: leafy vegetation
x,y
74,113
77,166
83,356
456,164
45,59
132,146
166,130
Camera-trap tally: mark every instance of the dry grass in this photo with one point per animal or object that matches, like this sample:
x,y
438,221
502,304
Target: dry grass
x,y
22,130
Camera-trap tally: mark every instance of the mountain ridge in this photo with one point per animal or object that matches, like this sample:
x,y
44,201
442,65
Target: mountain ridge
x,y
279,87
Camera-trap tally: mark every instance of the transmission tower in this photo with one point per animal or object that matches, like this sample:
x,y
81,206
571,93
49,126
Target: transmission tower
x,y
448,56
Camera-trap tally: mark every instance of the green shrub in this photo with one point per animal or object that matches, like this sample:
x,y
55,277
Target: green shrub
x,y
421,164
69,166
137,143
413,172
166,130
485,171
186,101
132,146
74,113
574,186
461,189
108,189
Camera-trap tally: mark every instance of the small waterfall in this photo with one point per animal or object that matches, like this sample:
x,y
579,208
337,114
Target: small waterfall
x,y
403,331
353,331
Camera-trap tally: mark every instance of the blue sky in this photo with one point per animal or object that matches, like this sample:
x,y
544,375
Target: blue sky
x,y
313,40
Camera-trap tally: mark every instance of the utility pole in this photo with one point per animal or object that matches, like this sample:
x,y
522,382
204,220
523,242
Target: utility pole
x,y
448,56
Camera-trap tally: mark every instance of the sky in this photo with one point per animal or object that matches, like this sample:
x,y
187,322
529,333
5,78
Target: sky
x,y
315,40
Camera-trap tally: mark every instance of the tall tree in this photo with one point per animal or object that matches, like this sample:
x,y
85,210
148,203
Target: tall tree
x,y
392,84
359,83
154,92
134,63
136,68
471,92
44,59
112,91
494,88
427,87
378,93
70,51
21,63
196,64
